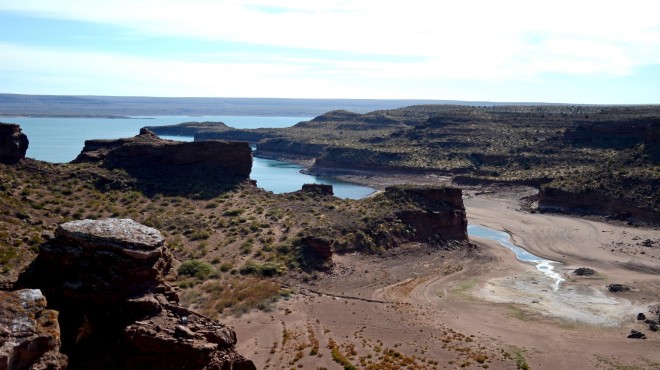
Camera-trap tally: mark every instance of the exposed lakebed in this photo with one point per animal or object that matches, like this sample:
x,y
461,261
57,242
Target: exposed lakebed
x,y
545,291
547,267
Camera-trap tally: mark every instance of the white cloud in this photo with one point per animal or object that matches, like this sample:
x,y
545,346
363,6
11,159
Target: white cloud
x,y
389,49
490,36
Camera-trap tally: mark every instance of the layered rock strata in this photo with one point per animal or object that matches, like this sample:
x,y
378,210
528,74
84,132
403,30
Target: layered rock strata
x,y
437,214
147,151
107,279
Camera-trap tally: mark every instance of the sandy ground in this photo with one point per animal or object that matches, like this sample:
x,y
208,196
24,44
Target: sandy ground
x,y
427,308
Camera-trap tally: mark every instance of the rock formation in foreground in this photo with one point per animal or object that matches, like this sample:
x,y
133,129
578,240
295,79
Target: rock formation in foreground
x,y
29,333
13,143
107,279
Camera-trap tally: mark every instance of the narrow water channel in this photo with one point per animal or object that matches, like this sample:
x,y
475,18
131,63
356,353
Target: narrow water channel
x,y
504,239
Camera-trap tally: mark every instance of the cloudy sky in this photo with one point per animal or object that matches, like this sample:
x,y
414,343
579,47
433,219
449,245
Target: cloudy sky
x,y
544,51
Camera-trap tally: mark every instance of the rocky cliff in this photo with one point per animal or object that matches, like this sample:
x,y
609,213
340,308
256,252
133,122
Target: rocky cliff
x,y
156,166
147,150
107,280
13,143
285,148
594,202
435,214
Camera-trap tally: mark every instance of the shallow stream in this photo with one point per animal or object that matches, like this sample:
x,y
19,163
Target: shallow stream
x,y
504,239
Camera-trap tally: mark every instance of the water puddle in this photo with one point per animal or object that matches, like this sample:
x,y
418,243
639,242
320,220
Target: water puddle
x,y
547,267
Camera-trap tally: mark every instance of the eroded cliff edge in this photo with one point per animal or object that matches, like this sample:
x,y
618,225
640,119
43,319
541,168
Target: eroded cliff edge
x,y
168,166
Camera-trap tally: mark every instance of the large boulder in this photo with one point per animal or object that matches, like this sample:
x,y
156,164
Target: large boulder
x,y
29,333
13,143
107,279
100,262
317,247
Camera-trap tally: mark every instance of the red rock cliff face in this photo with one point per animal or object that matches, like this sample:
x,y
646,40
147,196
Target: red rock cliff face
x,y
13,143
439,213
107,279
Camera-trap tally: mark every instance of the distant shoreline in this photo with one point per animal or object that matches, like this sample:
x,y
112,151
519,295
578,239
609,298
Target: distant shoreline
x,y
67,116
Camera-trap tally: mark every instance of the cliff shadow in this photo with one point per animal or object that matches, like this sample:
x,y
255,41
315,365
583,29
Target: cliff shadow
x,y
189,182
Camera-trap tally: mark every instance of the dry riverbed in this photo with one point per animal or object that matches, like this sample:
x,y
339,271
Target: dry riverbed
x,y
478,308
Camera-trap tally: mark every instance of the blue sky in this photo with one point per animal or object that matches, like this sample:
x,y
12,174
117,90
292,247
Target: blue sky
x,y
585,51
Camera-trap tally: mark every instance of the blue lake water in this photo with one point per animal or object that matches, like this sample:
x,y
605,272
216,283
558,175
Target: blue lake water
x,y
60,140
504,239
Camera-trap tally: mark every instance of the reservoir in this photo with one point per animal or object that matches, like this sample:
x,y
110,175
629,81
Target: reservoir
x,y
60,140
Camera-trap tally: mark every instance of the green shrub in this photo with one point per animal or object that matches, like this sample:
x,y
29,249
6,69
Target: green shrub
x,y
199,235
265,269
196,268
233,212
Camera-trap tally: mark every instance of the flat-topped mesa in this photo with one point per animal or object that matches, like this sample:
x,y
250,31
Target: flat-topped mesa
x,y
147,151
13,143
434,213
107,279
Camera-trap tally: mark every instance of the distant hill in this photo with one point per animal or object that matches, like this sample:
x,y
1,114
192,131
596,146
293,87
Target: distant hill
x,y
111,106
594,159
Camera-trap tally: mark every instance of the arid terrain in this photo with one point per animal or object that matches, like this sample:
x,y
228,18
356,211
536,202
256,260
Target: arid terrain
x,y
477,308
311,281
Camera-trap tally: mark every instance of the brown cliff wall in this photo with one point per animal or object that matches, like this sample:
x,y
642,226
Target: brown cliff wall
x,y
148,151
437,214
594,203
285,148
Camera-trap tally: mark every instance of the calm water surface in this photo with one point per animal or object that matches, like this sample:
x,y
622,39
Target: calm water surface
x,y
60,140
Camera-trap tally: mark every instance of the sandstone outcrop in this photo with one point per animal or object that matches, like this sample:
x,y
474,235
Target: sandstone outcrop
x,y
29,332
148,155
107,280
13,143
436,213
